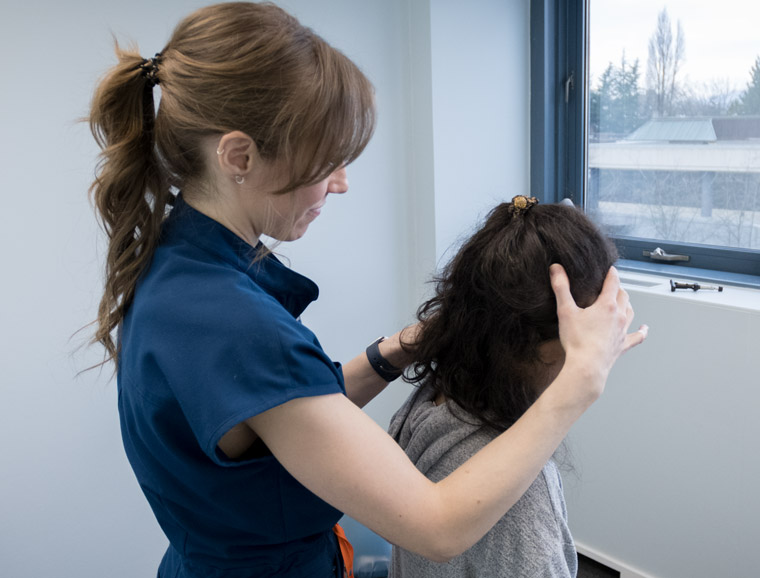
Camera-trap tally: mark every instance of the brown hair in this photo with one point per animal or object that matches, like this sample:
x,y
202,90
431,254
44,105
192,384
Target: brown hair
x,y
494,306
232,66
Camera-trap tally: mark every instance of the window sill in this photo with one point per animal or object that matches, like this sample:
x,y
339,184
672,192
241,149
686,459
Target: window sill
x,y
691,274
641,278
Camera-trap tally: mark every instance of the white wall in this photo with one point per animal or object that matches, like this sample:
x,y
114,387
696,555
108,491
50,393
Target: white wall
x,y
69,504
481,114
666,461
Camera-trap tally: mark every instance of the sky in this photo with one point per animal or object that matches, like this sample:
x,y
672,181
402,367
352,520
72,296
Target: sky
x,y
721,39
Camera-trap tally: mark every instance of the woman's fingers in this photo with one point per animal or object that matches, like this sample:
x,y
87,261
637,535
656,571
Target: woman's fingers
x,y
611,288
409,335
625,309
636,338
561,287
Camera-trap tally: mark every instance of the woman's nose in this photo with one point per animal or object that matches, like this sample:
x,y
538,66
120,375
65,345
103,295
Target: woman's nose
x,y
338,181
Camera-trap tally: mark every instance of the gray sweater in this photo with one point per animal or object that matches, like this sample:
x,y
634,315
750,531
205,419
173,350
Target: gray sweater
x,y
531,541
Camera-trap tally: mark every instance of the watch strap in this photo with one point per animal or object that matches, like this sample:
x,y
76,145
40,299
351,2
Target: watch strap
x,y
382,366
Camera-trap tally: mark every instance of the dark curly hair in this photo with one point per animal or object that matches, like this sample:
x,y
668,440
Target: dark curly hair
x,y
494,306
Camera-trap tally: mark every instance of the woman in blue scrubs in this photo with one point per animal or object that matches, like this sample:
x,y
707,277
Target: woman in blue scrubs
x,y
247,439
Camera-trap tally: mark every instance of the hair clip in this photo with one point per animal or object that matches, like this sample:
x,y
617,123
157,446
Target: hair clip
x,y
522,204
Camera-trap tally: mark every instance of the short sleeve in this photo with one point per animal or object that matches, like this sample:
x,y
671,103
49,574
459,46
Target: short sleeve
x,y
229,351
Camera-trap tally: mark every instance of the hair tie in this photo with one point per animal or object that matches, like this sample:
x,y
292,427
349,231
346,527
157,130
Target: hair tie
x,y
522,204
149,69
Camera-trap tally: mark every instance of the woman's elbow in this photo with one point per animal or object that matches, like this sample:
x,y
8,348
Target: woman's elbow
x,y
442,547
435,554
439,532
445,535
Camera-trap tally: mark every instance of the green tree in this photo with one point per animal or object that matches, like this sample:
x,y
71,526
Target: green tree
x,y
614,104
749,100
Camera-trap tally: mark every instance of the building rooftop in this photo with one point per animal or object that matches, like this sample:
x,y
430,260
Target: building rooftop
x,y
697,129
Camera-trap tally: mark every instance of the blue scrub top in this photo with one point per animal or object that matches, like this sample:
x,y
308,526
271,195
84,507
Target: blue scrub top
x,y
211,339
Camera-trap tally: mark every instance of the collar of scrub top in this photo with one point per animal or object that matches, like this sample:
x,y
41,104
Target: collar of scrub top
x,y
293,290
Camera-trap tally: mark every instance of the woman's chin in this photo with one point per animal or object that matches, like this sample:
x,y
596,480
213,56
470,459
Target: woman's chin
x,y
294,234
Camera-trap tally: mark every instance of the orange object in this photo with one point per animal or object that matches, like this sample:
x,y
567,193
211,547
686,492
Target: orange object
x,y
346,551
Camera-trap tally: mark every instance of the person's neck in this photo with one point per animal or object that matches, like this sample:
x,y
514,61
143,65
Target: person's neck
x,y
544,374
225,212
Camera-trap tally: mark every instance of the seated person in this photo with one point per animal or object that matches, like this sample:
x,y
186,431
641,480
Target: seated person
x,y
489,346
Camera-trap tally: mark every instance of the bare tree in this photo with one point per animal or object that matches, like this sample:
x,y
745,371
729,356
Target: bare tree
x,y
715,97
666,56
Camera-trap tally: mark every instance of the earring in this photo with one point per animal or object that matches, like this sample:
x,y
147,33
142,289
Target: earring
x,y
239,179
220,151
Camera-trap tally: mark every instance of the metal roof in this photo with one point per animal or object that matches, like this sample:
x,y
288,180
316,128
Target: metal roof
x,y
675,130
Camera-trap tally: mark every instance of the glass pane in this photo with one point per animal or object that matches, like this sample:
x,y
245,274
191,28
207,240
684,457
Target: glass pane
x,y
674,123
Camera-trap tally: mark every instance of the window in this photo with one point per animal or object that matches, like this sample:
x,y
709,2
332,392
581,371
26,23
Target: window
x,y
647,114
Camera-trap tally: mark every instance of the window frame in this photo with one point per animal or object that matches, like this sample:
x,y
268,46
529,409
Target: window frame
x,y
559,143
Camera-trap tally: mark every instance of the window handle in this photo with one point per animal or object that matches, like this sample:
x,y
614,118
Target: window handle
x,y
569,85
659,255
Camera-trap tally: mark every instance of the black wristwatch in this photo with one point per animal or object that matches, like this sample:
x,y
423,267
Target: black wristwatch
x,y
381,365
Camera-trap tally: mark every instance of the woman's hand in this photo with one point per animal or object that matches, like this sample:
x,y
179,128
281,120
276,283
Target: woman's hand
x,y
398,349
595,337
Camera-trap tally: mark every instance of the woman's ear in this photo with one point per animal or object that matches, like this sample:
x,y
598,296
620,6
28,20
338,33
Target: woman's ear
x,y
236,153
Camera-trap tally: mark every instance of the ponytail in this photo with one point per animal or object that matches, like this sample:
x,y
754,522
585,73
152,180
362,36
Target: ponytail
x,y
130,192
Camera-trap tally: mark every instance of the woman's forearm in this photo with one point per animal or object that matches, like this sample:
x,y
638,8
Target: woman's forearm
x,y
362,382
342,456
